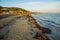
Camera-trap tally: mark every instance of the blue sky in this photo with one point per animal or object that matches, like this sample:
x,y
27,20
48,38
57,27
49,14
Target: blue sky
x,y
33,5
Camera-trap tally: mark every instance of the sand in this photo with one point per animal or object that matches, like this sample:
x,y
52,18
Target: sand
x,y
19,28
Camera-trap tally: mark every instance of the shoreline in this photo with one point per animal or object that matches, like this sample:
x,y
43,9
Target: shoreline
x,y
40,35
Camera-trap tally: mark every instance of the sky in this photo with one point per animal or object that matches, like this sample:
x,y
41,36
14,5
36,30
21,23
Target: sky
x,y
33,5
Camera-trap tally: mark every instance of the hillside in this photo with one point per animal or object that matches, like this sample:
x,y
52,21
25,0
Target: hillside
x,y
13,11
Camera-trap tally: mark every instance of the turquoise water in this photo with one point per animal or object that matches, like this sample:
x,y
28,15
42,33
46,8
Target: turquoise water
x,y
51,21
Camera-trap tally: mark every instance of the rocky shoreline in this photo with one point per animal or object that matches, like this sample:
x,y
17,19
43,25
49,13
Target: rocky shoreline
x,y
40,31
40,35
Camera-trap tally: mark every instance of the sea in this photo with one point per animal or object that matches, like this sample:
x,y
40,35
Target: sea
x,y
51,21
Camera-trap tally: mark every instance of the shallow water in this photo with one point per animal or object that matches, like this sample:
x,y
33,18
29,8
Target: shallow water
x,y
51,21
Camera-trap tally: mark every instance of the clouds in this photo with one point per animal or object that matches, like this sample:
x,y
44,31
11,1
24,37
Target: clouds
x,y
41,6
34,5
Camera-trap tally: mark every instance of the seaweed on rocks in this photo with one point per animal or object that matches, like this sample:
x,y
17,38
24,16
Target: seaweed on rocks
x,y
46,30
40,36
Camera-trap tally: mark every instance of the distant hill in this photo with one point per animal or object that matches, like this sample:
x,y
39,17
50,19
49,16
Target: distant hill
x,y
14,11
12,8
39,12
